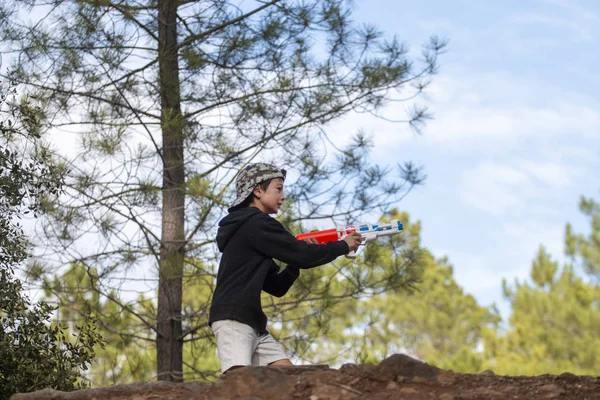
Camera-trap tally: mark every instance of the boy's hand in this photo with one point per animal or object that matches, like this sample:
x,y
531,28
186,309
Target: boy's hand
x,y
354,240
311,240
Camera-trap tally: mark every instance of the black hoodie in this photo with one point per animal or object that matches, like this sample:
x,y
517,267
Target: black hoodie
x,y
249,240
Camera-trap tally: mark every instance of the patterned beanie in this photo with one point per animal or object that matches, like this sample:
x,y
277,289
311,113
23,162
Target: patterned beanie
x,y
252,175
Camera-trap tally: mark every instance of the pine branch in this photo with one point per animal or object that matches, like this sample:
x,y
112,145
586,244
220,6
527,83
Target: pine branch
x,y
192,38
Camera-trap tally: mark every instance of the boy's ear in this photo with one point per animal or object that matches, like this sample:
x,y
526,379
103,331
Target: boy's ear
x,y
257,191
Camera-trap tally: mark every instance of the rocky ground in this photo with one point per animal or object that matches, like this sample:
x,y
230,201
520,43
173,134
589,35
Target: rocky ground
x,y
397,377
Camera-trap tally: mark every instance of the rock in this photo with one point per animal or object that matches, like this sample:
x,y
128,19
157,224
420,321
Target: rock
x,y
407,367
568,375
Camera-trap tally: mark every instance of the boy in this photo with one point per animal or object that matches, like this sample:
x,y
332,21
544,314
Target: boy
x,y
250,239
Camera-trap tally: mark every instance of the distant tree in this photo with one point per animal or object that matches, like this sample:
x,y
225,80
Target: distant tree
x,y
584,250
170,98
555,322
33,353
127,355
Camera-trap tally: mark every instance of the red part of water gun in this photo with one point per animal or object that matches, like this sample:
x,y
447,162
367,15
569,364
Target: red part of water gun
x,y
327,235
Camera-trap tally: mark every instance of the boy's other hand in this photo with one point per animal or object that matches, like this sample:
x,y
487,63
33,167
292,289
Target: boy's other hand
x,y
311,240
354,240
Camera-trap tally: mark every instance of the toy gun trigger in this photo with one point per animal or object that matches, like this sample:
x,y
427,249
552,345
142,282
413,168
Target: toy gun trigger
x,y
368,237
352,255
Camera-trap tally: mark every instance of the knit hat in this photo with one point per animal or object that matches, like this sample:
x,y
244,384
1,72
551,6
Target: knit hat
x,y
252,175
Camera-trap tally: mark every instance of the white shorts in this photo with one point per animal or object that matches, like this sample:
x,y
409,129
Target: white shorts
x,y
240,344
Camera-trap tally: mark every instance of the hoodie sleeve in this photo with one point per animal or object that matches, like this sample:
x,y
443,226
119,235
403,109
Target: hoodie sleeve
x,y
277,283
273,240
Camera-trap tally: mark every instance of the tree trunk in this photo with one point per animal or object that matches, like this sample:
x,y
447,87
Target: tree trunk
x,y
169,345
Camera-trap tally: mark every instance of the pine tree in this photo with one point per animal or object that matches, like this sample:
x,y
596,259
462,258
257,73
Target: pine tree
x,y
169,98
555,321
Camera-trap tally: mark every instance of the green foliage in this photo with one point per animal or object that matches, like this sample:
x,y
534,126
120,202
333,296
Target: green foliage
x,y
33,353
199,350
36,355
440,323
126,356
555,321
587,248
23,181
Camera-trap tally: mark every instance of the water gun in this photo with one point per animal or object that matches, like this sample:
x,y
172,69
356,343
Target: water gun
x,y
368,232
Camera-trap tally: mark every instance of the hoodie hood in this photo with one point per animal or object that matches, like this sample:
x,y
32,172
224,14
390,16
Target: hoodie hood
x,y
229,225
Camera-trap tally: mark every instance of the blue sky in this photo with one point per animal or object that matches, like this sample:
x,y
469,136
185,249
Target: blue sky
x,y
515,141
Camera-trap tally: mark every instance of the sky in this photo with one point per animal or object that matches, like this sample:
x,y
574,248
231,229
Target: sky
x,y
515,141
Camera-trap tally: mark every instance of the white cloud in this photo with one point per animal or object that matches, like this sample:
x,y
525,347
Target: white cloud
x,y
577,30
583,155
492,111
549,173
489,188
471,271
509,187
465,115
577,12
555,24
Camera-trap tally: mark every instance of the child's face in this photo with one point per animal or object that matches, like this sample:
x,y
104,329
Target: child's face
x,y
270,200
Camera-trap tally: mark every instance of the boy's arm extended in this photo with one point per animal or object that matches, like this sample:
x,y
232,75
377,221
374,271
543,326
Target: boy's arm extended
x,y
277,283
274,241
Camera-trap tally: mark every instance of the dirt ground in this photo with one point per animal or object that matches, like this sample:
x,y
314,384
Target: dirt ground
x,y
397,377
